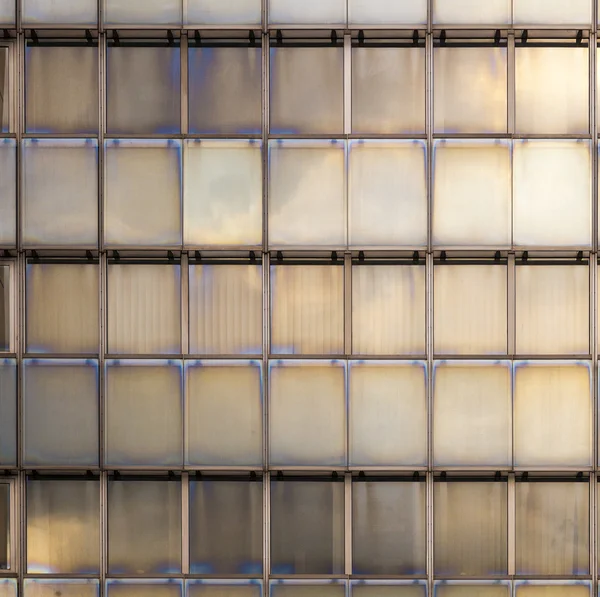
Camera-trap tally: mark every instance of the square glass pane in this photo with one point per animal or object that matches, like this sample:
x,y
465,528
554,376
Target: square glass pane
x,y
470,309
307,193
225,89
283,588
60,12
144,418
51,587
555,589
387,12
143,86
7,17
224,413
307,87
143,193
471,12
388,413
8,414
60,412
144,588
388,527
223,588
552,12
388,309
552,309
307,413
63,529
142,12
552,195
144,529
5,532
223,12
225,309
144,309
552,528
307,527
472,413
552,414
8,190
223,193
551,88
307,309
472,589
60,192
226,535
470,528
62,308
307,12
5,87
387,187
472,193
61,87
470,89
388,588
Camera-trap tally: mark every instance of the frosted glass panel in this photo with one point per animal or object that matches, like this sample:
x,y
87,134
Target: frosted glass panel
x,y
470,528
203,588
388,413
471,12
143,193
60,192
307,415
225,89
472,410
63,530
388,309
142,12
307,589
78,12
61,86
144,528
470,309
552,12
307,87
552,528
537,589
472,193
144,588
144,309
552,309
223,193
387,589
553,414
306,193
65,588
307,12
7,17
388,89
470,90
62,308
387,12
6,308
225,309
5,89
8,413
551,86
552,193
388,528
224,414
60,402
472,589
387,193
223,12
307,309
144,420
8,192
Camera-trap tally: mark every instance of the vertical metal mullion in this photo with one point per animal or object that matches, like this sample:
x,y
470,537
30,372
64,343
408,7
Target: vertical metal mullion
x,y
265,137
511,123
347,127
429,131
348,524
185,523
511,304
429,477
183,81
511,524
265,390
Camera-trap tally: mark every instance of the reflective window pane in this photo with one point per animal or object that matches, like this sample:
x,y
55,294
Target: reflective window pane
x,y
8,415
142,12
387,12
63,530
7,17
5,545
472,589
5,83
556,589
50,587
388,589
60,404
471,12
307,12
552,12
226,527
387,193
8,190
307,589
223,12
59,12
307,527
144,588
220,588
5,308
307,413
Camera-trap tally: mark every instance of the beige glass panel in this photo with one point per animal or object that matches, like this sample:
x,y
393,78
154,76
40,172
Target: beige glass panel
x,y
471,12
8,192
470,90
387,12
307,417
552,193
552,12
60,192
5,532
60,404
8,414
224,414
223,12
65,588
388,90
307,88
225,309
144,309
315,589
63,530
144,419
307,309
472,412
387,193
142,12
551,87
552,590
204,588
388,309
7,17
388,414
6,310
552,528
60,12
63,308
307,12
5,90
552,309
472,589
470,309
383,589
470,528
552,414
61,88
222,195
388,528
144,588
143,193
